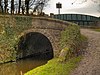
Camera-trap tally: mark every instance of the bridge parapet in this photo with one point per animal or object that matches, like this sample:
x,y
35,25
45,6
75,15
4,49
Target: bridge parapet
x,y
49,23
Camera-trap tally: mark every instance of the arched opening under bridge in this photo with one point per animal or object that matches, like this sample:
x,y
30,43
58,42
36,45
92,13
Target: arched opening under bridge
x,y
34,44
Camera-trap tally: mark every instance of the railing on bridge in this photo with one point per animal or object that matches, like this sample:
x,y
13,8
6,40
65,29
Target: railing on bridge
x,y
78,19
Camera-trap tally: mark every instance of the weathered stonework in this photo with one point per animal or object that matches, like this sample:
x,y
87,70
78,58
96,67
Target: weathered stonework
x,y
19,26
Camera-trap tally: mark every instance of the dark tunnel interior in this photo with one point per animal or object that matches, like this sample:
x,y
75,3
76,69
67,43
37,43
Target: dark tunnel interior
x,y
35,45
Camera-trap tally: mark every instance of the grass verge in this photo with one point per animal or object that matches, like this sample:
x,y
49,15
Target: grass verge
x,y
98,30
53,67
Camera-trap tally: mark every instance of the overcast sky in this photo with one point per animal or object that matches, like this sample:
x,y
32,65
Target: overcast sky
x,y
88,8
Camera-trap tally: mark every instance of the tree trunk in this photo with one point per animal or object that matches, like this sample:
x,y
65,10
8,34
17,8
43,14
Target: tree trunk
x,y
12,6
6,5
1,7
23,9
27,6
19,6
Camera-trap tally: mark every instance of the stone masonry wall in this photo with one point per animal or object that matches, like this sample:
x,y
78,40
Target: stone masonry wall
x,y
13,27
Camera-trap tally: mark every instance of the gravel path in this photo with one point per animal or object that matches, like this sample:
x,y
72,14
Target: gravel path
x,y
90,64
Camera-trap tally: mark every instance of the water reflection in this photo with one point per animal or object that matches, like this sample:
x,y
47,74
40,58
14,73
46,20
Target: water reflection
x,y
21,66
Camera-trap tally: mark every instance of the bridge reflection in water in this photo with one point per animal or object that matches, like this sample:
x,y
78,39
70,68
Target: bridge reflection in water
x,y
21,66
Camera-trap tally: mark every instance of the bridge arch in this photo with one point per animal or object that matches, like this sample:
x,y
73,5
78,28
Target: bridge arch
x,y
16,27
34,43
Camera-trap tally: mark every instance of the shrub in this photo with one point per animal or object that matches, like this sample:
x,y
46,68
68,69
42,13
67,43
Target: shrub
x,y
70,42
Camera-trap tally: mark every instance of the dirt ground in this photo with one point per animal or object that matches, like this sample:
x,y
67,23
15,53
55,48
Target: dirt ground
x,y
90,64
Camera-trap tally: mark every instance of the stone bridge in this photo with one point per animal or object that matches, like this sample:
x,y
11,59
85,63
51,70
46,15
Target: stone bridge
x,y
23,36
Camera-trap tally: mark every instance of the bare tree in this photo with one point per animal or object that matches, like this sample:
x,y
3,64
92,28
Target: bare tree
x,y
1,6
23,6
83,1
19,6
27,6
12,6
5,5
38,5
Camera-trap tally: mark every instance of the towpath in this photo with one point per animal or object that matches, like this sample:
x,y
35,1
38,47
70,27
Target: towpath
x,y
90,64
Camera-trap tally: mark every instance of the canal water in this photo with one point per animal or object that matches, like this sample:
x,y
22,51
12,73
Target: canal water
x,y
21,66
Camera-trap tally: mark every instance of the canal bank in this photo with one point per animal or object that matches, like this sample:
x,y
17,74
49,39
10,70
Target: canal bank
x,y
53,67
72,43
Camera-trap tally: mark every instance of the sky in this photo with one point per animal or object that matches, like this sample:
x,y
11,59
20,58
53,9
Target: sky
x,y
88,8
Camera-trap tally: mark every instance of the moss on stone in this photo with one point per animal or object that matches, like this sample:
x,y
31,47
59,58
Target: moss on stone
x,y
64,54
71,42
10,29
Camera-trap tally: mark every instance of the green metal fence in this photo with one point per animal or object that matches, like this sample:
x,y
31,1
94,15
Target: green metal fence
x,y
78,18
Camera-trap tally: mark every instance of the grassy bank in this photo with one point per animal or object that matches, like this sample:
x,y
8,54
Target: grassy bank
x,y
54,67
98,30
